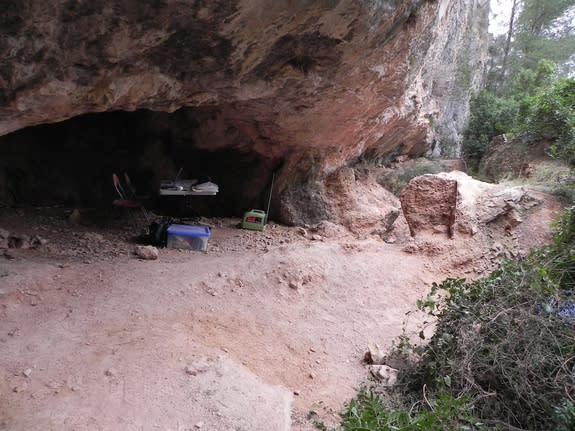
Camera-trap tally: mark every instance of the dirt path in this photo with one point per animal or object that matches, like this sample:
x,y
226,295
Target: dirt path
x,y
252,335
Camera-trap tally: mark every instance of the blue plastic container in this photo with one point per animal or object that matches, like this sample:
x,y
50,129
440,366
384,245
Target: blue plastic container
x,y
188,237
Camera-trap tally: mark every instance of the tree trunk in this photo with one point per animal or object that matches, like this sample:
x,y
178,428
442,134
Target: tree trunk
x,y
507,46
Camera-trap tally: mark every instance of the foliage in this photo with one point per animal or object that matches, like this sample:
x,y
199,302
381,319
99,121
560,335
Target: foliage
x,y
543,31
565,416
502,355
490,116
507,341
550,114
368,412
542,109
552,176
528,82
521,95
538,30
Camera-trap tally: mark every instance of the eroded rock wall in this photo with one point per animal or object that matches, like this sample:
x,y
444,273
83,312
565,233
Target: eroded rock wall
x,y
314,83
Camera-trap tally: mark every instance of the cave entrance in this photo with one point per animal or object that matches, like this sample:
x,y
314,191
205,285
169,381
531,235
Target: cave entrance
x,y
70,163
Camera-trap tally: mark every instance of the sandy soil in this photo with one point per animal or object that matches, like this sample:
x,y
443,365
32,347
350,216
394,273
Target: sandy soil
x,y
252,335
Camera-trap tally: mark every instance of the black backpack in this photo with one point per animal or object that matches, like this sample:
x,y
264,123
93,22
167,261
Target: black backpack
x,y
158,231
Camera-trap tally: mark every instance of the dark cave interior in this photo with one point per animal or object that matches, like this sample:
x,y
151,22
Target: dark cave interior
x,y
71,163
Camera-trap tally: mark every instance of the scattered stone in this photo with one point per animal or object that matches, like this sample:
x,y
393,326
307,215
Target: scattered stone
x,y
19,241
317,237
386,375
146,252
293,284
34,301
513,219
312,376
111,372
4,235
497,247
37,241
55,386
374,354
438,228
199,425
302,231
296,392
389,238
75,216
92,237
27,372
329,229
199,366
20,388
72,384
411,248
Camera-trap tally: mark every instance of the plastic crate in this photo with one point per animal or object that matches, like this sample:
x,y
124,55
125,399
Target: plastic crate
x,y
188,237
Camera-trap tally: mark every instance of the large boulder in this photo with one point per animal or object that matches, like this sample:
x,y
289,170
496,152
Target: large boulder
x,y
455,203
429,202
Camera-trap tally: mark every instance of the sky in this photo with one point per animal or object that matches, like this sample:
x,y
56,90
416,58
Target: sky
x,y
499,16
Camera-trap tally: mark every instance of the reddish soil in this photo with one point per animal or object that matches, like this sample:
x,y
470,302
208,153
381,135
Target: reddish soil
x,y
252,335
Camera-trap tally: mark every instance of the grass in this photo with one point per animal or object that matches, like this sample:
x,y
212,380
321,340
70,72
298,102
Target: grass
x,y
545,176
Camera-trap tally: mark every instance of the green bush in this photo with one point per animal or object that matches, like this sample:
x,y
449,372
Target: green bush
x,y
565,416
368,412
507,341
502,356
550,114
490,116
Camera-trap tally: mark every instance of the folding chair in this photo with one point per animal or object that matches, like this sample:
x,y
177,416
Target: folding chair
x,y
128,200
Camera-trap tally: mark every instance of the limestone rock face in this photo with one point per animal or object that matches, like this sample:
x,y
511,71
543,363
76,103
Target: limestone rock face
x,y
315,83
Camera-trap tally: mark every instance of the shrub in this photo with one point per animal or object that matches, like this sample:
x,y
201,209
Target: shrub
x,y
502,356
490,116
368,412
507,341
550,114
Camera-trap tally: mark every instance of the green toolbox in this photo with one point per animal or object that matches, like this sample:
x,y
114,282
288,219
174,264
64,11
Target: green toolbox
x,y
254,220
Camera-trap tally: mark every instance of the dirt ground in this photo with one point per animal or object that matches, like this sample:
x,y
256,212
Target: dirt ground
x,y
252,335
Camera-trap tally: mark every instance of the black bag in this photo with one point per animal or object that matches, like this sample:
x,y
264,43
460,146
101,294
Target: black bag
x,y
158,231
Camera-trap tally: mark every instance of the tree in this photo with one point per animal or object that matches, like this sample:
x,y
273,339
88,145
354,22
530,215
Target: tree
x,y
540,35
537,30
543,33
508,38
551,115
490,116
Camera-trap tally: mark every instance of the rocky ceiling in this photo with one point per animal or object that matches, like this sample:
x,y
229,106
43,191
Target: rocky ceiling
x,y
308,85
